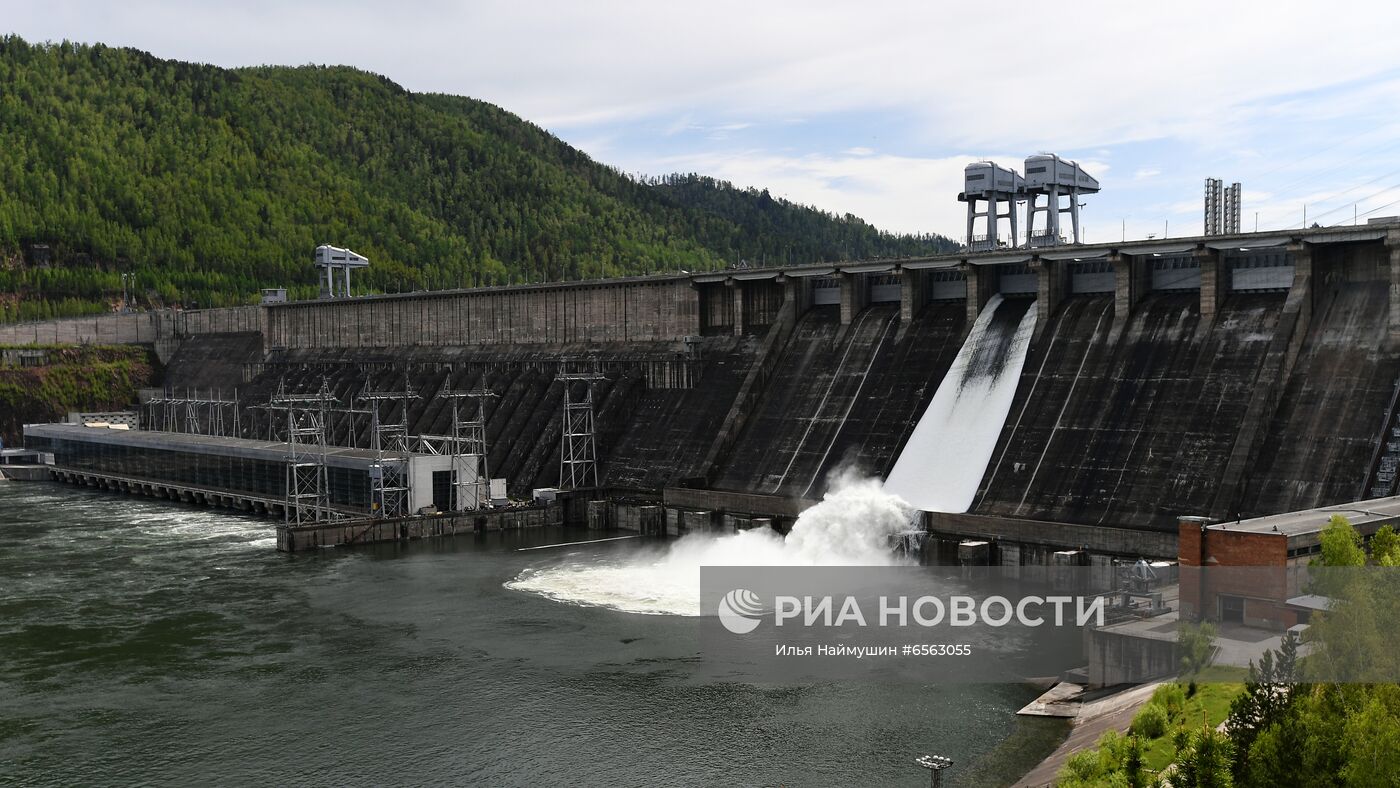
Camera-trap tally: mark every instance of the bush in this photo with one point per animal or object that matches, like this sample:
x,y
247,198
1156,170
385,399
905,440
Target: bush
x,y
1172,698
1151,722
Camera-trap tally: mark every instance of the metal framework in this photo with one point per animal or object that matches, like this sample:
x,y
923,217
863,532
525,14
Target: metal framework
x,y
466,445
1230,210
1213,205
388,477
308,489
1222,207
578,451
351,423
193,413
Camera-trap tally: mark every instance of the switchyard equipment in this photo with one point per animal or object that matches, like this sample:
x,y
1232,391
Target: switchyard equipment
x,y
471,481
994,186
308,486
1051,177
332,259
578,451
207,414
388,476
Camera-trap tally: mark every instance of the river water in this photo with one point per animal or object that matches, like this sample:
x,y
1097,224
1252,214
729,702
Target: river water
x,y
147,643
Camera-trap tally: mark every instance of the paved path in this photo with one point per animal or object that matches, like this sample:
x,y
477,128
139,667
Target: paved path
x,y
1114,712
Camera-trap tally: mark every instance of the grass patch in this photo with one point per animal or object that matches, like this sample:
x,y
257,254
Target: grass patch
x,y
1208,707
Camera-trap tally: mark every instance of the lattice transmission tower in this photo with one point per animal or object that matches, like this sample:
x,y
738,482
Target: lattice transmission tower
x,y
308,487
388,476
466,444
578,448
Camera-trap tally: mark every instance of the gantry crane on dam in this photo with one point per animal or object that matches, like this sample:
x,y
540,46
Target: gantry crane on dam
x,y
1051,186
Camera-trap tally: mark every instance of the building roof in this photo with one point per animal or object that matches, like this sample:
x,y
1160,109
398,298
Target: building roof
x,y
197,444
1303,527
1310,602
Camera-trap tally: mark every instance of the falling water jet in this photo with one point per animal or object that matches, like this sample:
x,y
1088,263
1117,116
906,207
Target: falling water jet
x,y
942,463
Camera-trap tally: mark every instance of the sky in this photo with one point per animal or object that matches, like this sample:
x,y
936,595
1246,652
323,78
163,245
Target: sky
x,y
874,108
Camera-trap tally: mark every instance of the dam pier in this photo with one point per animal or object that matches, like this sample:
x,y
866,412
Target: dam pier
x,y
1223,377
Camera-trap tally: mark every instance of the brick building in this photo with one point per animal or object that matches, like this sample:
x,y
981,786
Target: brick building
x,y
1254,571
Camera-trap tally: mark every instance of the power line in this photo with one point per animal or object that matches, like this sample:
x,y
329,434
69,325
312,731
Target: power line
x,y
1331,197
1390,142
1286,189
1373,210
1386,190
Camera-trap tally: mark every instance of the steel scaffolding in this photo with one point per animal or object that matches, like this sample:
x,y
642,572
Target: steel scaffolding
x,y
578,450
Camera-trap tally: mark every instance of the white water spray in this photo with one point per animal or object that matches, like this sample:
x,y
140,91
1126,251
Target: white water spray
x,y
943,462
851,526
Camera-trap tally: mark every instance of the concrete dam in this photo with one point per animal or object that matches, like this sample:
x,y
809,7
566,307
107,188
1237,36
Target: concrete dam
x,y
1223,377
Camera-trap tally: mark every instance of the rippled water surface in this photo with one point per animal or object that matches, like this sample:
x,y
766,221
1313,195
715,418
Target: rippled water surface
x,y
142,642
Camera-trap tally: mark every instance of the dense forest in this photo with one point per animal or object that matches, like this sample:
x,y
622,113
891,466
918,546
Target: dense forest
x,y
207,183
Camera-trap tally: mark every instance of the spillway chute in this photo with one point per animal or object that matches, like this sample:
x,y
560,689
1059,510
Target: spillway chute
x,y
942,464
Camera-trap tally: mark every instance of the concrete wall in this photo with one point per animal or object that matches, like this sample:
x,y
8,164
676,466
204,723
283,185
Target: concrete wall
x,y
1118,658
292,538
634,310
144,328
1101,540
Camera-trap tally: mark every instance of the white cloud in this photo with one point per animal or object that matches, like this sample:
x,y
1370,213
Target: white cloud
x,y
1189,66
910,194
1229,85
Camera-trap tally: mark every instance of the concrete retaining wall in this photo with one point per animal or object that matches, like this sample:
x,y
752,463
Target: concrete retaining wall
x,y
292,538
631,310
141,328
651,309
1124,542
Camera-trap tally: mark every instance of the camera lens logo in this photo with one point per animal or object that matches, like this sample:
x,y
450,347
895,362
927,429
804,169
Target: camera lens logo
x,y
740,611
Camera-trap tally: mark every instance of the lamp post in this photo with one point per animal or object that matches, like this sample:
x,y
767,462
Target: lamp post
x,y
935,765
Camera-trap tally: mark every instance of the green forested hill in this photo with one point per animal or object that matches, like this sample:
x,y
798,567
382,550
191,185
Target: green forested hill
x,y
209,183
